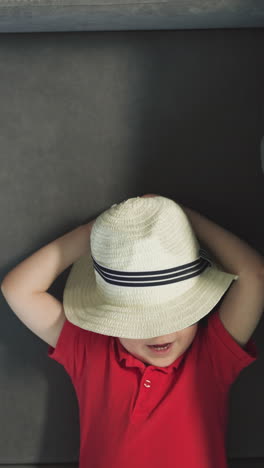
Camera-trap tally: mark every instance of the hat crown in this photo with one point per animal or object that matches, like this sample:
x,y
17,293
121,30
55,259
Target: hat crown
x,y
142,234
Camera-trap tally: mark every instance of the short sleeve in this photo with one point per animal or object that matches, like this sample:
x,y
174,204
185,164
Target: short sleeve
x,y
70,349
227,357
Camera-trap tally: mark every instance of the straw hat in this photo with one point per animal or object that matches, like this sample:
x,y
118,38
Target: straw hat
x,y
144,273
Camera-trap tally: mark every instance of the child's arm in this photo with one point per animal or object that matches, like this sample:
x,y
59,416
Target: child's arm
x,y
243,305
236,256
37,272
25,286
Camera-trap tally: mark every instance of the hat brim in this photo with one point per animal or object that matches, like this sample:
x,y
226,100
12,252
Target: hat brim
x,y
85,308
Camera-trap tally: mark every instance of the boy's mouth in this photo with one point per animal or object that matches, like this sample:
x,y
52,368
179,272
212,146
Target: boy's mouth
x,y
160,348
160,344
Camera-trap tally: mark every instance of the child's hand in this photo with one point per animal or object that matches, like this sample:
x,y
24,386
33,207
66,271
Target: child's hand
x,y
154,195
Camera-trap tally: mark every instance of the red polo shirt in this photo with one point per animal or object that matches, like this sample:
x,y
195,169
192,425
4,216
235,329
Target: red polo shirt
x,y
137,416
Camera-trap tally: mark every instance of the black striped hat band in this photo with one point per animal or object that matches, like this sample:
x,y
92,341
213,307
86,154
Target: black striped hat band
x,y
161,277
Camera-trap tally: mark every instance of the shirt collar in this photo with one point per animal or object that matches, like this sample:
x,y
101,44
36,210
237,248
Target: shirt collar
x,y
126,359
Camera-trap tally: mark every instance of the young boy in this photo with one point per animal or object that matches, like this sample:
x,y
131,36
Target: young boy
x,y
139,279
